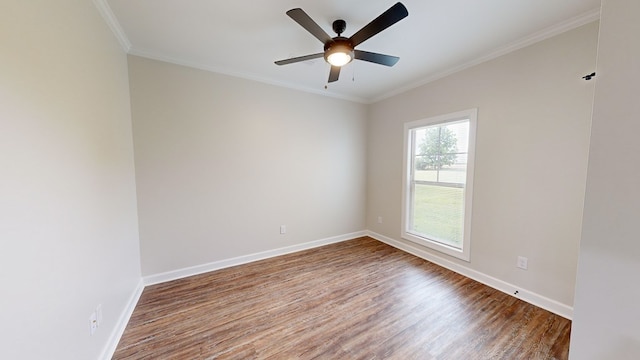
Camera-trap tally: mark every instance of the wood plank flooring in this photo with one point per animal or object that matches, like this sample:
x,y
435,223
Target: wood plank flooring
x,y
359,299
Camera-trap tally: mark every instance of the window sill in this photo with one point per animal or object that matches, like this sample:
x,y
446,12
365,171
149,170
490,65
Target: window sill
x,y
437,246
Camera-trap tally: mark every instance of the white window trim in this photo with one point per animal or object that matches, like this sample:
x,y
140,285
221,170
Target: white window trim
x,y
472,115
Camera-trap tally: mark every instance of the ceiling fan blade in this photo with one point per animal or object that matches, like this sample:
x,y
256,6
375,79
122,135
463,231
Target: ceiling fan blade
x,y
299,59
301,17
376,58
394,14
334,74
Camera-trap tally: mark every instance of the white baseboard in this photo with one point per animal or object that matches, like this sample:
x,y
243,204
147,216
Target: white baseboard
x,y
221,264
523,294
121,325
538,300
125,316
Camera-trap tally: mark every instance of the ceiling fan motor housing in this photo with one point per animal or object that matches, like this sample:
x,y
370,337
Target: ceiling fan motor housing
x,y
339,26
339,44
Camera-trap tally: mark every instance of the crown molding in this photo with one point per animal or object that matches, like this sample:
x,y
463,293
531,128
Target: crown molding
x,y
570,24
242,75
105,10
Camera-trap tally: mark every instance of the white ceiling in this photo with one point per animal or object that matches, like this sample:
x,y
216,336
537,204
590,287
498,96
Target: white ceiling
x,y
243,38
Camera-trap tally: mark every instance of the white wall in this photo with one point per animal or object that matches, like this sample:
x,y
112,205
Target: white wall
x,y
534,115
607,308
68,224
222,162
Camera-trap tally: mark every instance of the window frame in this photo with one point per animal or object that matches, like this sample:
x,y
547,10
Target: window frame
x,y
409,145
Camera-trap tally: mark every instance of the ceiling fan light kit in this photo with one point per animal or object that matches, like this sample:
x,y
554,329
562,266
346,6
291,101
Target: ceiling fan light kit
x,y
339,50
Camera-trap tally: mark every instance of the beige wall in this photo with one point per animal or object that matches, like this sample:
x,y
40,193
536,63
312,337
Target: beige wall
x,y
534,115
68,224
607,312
222,162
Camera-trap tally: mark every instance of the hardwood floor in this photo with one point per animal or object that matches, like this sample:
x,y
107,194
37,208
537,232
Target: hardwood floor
x,y
359,299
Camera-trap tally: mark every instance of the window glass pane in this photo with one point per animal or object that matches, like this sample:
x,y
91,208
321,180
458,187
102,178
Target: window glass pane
x,y
440,153
426,175
460,131
439,175
438,213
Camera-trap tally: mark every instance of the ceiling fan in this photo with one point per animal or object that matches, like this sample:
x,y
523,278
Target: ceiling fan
x,y
339,50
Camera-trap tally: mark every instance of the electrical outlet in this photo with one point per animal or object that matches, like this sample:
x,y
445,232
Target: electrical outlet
x,y
379,219
93,323
522,262
283,229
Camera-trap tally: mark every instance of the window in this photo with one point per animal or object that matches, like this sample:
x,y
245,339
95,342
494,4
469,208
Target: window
x,y
437,186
